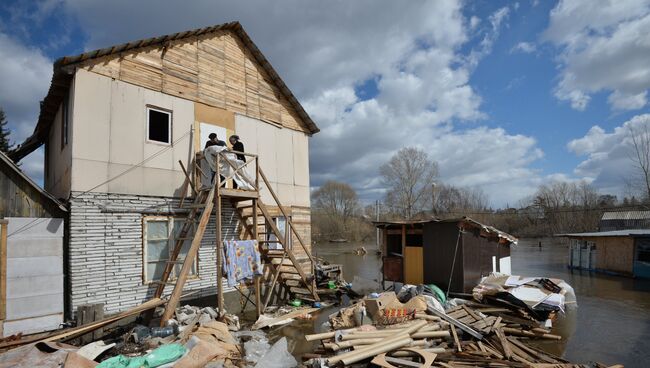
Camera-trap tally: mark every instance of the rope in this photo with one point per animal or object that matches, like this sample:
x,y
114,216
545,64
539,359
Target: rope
x,y
453,264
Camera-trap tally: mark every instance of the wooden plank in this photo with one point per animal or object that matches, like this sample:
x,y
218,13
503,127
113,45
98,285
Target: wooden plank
x,y
189,260
507,351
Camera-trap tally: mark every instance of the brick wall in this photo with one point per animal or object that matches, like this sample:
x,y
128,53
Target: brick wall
x,y
106,249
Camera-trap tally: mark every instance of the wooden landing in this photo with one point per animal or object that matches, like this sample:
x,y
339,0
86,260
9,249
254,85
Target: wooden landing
x,y
238,194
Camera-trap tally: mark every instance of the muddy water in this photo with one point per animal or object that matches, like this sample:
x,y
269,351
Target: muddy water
x,y
610,325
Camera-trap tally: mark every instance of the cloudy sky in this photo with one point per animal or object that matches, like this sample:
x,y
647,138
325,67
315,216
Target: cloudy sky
x,y
504,95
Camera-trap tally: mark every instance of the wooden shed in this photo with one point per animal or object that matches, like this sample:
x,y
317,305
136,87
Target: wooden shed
x,y
622,252
452,253
31,254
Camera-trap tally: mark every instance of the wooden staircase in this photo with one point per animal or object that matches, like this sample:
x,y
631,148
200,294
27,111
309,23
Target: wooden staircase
x,y
287,269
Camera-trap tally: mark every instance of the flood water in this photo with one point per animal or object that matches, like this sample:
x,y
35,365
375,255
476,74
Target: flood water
x,y
611,324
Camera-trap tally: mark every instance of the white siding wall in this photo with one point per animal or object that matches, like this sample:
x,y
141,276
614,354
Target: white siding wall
x,y
106,254
110,138
58,175
284,158
34,275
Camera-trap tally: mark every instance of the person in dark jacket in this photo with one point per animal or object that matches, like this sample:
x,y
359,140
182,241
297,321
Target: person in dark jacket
x,y
237,146
214,141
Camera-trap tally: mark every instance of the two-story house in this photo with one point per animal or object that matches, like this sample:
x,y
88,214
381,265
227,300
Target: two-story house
x,y
115,124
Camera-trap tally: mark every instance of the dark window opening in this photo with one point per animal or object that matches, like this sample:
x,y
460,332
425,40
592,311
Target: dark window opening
x,y
643,256
413,240
394,244
159,126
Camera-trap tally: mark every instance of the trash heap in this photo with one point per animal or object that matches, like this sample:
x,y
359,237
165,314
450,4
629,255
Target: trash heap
x,y
418,327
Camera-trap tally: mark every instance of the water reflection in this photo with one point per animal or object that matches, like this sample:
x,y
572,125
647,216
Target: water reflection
x,y
611,324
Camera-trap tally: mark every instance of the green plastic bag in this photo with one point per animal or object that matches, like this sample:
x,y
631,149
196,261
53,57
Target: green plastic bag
x,y
164,354
440,295
119,361
138,362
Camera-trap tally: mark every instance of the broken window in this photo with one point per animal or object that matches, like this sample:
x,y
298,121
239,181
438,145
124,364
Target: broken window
x,y
159,125
160,235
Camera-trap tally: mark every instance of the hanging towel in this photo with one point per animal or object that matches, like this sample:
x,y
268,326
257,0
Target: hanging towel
x,y
242,260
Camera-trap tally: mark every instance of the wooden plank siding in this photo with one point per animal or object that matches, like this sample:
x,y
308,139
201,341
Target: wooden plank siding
x,y
216,69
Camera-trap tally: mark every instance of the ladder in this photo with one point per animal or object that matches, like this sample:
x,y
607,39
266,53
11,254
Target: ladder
x,y
295,274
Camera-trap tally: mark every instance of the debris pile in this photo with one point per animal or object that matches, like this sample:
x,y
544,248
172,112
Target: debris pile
x,y
413,329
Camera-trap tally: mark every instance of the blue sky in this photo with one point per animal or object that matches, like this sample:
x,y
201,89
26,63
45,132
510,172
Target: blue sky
x,y
505,95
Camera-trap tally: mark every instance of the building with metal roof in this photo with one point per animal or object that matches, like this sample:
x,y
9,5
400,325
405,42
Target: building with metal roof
x,y
624,252
621,220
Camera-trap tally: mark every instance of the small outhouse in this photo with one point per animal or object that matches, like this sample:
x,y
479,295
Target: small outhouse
x,y
452,254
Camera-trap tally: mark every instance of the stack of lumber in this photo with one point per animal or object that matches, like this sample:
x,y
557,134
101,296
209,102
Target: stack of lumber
x,y
469,335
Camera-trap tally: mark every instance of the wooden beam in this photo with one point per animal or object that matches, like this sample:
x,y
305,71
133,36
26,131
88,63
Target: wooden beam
x,y
189,259
219,243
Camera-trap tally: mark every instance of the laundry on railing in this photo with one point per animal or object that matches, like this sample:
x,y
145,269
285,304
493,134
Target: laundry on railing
x,y
227,164
242,260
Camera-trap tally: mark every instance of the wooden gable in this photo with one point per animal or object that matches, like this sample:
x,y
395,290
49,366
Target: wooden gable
x,y
215,68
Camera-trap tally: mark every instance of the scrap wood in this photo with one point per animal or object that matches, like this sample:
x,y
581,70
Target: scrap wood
x,y
456,323
456,342
272,321
504,342
384,361
77,331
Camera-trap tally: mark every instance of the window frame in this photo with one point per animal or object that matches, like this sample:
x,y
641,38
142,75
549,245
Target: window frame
x,y
169,125
270,235
146,280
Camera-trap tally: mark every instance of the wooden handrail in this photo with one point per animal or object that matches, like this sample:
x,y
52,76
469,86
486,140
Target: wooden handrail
x,y
289,222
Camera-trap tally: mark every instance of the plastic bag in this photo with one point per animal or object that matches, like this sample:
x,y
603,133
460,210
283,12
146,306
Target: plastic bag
x,y
165,354
277,357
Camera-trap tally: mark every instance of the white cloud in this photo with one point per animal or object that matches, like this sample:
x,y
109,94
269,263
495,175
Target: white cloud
x,y
607,155
25,74
418,60
603,48
525,47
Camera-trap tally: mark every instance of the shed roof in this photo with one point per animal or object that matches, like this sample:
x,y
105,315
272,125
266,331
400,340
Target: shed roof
x,y
64,69
626,215
47,199
613,233
486,231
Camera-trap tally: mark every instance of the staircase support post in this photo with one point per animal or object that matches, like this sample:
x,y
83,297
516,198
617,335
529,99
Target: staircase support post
x,y
218,245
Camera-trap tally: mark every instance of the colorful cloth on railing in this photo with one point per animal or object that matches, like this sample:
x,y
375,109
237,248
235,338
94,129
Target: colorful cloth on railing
x,y
242,260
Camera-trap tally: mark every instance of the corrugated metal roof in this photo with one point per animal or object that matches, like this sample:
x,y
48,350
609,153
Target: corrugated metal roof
x,y
63,75
626,215
615,233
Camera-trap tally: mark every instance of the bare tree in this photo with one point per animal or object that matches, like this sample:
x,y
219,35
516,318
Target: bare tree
x,y
457,201
408,176
640,155
336,199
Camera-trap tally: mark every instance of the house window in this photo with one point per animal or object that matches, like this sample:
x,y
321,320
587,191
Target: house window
x,y
281,224
160,234
159,125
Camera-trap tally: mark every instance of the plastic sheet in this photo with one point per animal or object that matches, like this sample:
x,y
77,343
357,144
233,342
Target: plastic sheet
x,y
278,356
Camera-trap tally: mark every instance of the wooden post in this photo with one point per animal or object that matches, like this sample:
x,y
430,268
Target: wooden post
x,y
218,248
403,253
258,283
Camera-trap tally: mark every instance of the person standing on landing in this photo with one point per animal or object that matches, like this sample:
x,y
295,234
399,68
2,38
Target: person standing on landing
x,y
237,146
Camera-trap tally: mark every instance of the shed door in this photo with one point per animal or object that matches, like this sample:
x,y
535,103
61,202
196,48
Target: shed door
x,y
642,258
413,265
